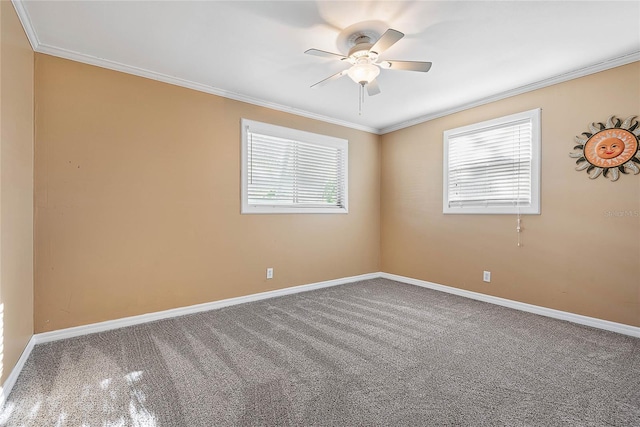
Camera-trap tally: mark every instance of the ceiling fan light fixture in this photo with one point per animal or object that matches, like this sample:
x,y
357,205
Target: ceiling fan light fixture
x,y
363,73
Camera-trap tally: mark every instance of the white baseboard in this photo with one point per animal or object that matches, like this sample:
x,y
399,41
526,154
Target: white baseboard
x,y
174,312
150,317
6,388
620,328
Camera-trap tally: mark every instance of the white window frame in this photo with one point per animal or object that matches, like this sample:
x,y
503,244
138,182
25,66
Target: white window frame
x,y
534,207
296,135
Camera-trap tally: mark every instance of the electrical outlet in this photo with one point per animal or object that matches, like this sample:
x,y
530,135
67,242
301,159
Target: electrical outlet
x,y
486,276
269,273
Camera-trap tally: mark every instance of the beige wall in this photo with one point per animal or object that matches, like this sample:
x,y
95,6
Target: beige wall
x,y
137,204
16,189
138,201
574,256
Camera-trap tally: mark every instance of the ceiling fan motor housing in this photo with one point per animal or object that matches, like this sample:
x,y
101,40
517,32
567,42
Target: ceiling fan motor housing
x,y
362,50
361,45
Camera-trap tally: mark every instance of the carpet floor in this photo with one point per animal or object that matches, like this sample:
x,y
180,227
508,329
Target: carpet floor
x,y
371,353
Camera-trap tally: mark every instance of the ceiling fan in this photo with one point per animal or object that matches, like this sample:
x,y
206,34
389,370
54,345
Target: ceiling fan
x,y
364,59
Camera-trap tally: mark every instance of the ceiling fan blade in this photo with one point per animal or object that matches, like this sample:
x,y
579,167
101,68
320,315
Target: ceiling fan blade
x,y
330,79
324,54
373,88
388,39
408,65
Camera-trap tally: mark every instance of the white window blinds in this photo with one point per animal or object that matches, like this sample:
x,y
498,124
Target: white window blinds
x,y
292,171
492,167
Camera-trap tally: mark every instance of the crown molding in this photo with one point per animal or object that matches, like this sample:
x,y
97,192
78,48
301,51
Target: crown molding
x,y
116,66
25,20
581,72
39,47
141,72
112,65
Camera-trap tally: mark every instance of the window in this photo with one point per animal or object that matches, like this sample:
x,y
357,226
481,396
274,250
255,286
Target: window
x,y
493,167
291,171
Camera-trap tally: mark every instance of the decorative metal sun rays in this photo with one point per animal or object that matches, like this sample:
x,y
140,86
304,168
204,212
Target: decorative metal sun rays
x,y
609,149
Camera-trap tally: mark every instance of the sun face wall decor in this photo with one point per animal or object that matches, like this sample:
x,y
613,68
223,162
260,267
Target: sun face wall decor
x,y
609,149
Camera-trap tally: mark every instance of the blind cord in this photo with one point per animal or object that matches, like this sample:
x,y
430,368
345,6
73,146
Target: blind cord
x,y
518,223
519,229
250,156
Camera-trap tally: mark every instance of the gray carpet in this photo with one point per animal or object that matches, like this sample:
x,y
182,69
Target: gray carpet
x,y
370,353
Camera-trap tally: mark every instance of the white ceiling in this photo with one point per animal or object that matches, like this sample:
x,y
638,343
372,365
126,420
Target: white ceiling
x,y
253,51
